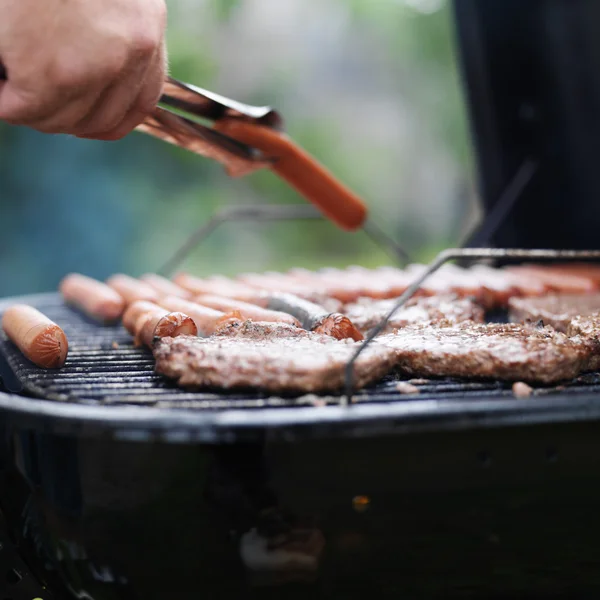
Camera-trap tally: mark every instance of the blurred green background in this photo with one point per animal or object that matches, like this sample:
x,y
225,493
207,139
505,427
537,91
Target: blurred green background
x,y
370,87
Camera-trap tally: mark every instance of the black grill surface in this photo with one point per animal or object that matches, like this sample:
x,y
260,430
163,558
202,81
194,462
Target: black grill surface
x,y
103,367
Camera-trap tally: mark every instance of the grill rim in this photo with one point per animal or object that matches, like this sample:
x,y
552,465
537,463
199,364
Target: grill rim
x,y
130,423
143,423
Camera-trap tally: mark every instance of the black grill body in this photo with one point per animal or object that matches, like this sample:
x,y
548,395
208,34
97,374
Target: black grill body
x,y
128,488
531,82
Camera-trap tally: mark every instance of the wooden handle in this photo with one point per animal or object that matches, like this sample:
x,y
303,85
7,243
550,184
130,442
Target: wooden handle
x,y
301,171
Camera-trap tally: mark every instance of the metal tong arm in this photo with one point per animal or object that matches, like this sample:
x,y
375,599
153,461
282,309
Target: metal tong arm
x,y
245,138
177,120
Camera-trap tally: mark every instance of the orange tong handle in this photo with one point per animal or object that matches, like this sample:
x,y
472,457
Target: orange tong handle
x,y
307,176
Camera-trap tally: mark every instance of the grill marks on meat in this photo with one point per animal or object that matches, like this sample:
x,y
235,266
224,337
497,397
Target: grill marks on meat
x,y
557,310
490,351
274,357
367,313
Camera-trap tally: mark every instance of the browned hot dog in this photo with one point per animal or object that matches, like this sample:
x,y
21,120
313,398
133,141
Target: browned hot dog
x,y
132,289
560,282
207,319
301,171
218,286
159,323
134,311
41,340
164,286
247,310
94,298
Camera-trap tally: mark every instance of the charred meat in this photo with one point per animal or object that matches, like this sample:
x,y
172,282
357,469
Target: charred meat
x,y
587,329
557,310
367,313
510,351
274,357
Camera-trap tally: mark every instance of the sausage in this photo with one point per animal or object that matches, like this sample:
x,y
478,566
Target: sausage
x,y
344,285
164,286
525,285
159,323
218,286
207,320
132,289
560,282
94,298
279,282
134,311
41,340
588,270
315,318
493,280
246,310
301,171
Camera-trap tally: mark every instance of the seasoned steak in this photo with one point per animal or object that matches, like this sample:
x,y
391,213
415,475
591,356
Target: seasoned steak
x,y
496,351
367,313
268,356
557,309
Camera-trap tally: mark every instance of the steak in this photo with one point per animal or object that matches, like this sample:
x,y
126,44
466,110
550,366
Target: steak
x,y
274,357
367,313
557,310
490,351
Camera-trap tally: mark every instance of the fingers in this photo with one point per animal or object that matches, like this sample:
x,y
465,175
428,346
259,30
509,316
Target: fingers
x,y
150,89
57,98
92,69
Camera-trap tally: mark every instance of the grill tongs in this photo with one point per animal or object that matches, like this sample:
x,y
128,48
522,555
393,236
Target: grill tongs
x,y
247,138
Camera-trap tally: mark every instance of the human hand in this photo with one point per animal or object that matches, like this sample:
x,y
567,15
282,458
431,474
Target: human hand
x,y
90,68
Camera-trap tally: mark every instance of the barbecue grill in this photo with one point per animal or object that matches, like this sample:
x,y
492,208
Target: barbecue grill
x,y
115,484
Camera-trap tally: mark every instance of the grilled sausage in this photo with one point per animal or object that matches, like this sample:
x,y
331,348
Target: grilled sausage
x,y
280,282
133,313
158,323
218,286
207,320
315,318
41,340
301,171
246,310
559,282
524,284
131,289
164,286
94,298
591,271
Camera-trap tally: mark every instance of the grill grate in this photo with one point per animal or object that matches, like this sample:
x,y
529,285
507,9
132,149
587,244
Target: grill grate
x,y
103,367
